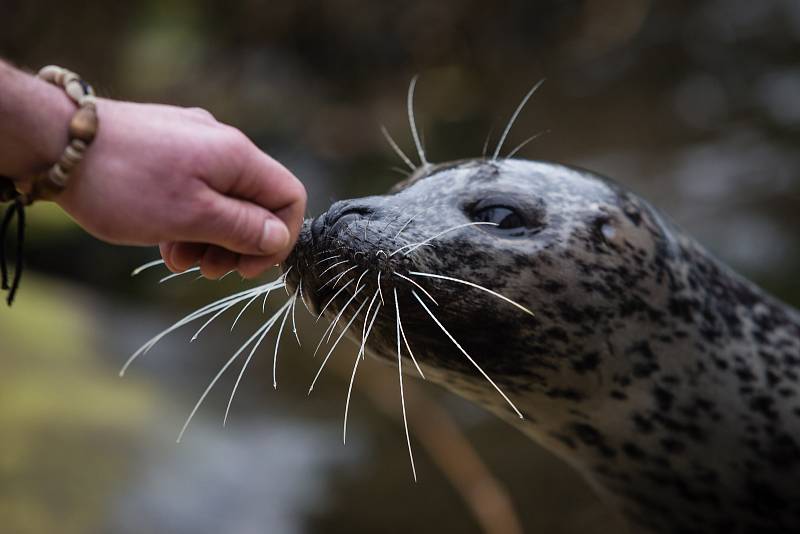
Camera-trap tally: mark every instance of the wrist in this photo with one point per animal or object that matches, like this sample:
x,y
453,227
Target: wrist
x,y
34,119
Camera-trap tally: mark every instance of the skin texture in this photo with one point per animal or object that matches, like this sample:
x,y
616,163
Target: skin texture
x,y
671,383
158,174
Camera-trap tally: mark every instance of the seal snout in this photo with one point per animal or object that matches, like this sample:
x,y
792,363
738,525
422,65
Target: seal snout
x,y
336,248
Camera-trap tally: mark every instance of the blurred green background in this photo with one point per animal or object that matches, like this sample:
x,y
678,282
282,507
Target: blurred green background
x,y
694,104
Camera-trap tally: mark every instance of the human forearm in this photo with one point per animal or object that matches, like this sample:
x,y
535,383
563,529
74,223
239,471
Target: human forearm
x,y
33,123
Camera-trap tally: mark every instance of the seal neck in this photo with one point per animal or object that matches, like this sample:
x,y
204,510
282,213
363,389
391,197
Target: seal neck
x,y
694,423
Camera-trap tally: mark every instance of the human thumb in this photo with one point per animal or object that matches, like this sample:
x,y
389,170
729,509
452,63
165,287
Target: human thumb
x,y
243,227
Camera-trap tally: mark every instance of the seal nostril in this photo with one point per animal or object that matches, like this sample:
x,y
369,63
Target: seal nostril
x,y
350,215
340,212
344,209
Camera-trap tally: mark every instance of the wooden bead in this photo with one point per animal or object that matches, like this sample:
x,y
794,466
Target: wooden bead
x,y
72,155
57,176
67,162
74,89
52,74
83,125
78,146
88,99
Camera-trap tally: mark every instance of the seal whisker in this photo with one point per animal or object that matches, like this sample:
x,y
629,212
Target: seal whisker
x,y
380,291
414,246
414,282
400,231
264,302
222,304
369,308
175,275
514,118
224,276
241,312
294,323
412,122
397,149
333,266
336,277
150,264
399,170
277,344
408,347
525,142
358,282
216,379
327,356
364,335
465,353
323,251
486,142
339,277
402,395
302,297
328,259
326,336
366,227
391,221
213,317
476,286
341,312
334,297
201,312
265,328
223,310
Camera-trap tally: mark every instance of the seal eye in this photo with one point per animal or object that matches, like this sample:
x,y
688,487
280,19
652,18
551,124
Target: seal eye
x,y
504,217
512,217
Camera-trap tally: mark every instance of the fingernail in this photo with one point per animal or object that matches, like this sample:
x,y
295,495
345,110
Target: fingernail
x,y
274,237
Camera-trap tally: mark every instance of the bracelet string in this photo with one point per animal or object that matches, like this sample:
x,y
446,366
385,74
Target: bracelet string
x,y
17,207
82,130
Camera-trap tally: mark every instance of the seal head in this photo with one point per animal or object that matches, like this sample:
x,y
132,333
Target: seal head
x,y
669,381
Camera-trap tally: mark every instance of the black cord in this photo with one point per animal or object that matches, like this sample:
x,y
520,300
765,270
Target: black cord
x,y
17,207
10,210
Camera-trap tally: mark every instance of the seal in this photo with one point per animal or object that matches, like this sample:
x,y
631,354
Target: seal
x,y
572,308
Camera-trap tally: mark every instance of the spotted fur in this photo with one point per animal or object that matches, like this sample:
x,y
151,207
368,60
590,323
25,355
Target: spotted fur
x,y
671,383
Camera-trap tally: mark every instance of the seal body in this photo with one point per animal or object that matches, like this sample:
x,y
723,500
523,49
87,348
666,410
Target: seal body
x,y
671,383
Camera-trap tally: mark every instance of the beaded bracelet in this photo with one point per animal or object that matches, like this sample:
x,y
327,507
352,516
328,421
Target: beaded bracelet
x,y
82,131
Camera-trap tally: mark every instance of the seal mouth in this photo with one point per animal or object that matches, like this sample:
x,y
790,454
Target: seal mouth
x,y
332,262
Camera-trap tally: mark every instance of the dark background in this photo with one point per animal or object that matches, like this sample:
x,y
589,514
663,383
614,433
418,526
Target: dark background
x,y
693,104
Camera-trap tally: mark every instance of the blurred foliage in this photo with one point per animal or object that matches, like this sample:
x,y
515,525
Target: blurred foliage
x,y
692,103
57,399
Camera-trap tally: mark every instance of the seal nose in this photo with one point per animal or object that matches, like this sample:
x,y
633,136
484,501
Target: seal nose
x,y
347,209
339,211
344,210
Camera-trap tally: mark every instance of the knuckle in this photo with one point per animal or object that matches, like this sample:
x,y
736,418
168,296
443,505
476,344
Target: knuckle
x,y
234,140
201,113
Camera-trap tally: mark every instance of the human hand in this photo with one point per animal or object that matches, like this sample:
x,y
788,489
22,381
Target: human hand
x,y
176,177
